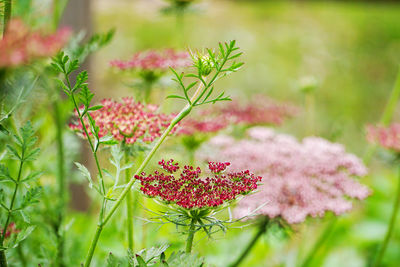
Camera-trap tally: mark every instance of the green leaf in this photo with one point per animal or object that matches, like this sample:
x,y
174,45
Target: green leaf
x,y
85,96
32,155
31,197
81,80
93,108
176,96
140,261
13,152
25,216
32,176
85,172
73,65
65,88
23,235
5,174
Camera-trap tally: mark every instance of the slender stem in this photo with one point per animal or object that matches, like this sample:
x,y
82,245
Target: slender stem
x,y
7,14
92,248
129,204
261,230
185,111
310,106
392,223
189,240
319,244
3,259
386,117
61,183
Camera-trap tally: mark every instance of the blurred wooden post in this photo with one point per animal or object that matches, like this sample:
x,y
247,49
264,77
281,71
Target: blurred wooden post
x,y
77,16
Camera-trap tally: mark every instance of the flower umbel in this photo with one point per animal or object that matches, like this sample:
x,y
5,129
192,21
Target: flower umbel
x,y
191,191
153,60
300,178
387,137
260,110
20,45
127,120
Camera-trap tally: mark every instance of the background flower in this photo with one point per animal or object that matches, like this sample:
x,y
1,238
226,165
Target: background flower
x,y
300,178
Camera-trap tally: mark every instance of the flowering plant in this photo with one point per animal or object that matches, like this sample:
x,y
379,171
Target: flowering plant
x,y
151,65
126,121
301,178
20,45
193,199
215,66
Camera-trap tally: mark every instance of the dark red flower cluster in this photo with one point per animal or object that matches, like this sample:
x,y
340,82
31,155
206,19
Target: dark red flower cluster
x,y
189,190
218,167
209,124
259,111
20,45
127,120
11,229
169,166
154,60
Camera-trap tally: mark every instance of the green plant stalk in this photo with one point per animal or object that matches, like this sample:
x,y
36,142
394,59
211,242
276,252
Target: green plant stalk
x,y
310,106
129,205
319,244
392,223
3,259
7,14
61,184
185,111
387,116
189,240
261,230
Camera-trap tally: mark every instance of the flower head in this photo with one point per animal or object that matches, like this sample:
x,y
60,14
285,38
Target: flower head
x,y
20,45
301,179
127,120
387,137
153,60
209,124
191,191
259,111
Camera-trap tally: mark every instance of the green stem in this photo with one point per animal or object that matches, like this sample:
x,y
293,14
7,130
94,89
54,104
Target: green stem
x,y
3,259
310,106
261,230
392,223
319,244
92,248
129,204
7,14
387,116
61,183
185,111
189,240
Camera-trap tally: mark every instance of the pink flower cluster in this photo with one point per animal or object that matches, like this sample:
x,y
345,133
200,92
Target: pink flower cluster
x,y
387,137
127,120
260,110
301,179
153,60
209,124
189,190
20,45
